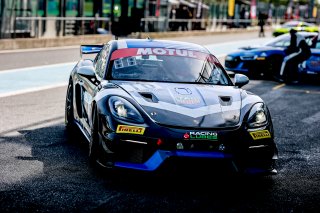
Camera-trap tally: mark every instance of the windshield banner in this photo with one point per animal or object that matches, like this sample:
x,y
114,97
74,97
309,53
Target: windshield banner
x,y
129,52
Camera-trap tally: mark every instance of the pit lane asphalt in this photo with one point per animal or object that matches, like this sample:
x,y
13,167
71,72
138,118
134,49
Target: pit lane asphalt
x,y
40,171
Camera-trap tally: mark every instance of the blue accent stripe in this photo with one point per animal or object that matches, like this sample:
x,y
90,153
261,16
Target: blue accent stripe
x,y
160,156
145,44
90,49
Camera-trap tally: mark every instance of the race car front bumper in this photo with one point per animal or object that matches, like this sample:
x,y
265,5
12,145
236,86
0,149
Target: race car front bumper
x,y
160,156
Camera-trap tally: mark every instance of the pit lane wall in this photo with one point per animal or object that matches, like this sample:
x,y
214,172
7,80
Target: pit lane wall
x,y
29,43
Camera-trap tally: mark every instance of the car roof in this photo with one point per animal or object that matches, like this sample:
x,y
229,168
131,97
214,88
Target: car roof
x,y
297,23
167,44
303,33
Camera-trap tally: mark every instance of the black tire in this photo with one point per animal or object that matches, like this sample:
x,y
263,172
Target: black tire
x,y
97,155
253,74
69,116
273,67
94,143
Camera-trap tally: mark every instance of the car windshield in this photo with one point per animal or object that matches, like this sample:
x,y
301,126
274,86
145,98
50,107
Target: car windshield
x,y
290,24
280,41
317,46
297,24
167,65
284,40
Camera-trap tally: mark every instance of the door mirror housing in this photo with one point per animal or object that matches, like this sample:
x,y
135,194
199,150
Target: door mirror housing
x,y
240,80
87,72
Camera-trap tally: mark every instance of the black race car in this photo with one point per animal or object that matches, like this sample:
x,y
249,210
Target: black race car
x,y
146,104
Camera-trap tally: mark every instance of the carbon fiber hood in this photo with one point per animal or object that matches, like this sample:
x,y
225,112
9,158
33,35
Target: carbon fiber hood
x,y
187,105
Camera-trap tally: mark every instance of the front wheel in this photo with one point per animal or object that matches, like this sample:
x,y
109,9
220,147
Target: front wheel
x,y
273,67
97,154
69,116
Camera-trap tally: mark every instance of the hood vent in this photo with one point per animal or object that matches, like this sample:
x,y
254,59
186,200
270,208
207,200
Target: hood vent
x,y
225,100
150,97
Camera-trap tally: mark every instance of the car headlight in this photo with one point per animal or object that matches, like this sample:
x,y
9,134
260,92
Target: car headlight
x,y
228,58
257,116
124,110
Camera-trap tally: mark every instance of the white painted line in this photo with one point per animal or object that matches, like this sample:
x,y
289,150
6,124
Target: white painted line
x,y
263,41
221,55
312,119
39,49
37,67
35,89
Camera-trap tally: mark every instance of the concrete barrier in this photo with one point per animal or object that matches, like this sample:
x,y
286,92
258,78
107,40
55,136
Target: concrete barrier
x,y
28,43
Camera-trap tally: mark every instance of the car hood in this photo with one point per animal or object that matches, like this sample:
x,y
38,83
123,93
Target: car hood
x,y
187,105
252,50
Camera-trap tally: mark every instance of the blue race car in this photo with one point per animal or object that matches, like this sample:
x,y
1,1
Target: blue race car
x,y
144,104
264,60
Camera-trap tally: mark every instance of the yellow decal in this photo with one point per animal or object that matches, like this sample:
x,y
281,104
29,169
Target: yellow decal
x,y
260,134
130,129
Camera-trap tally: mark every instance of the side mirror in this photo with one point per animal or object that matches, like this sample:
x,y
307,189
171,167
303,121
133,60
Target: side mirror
x,y
240,80
87,72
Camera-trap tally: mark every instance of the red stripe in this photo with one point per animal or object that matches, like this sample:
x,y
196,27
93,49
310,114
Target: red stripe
x,y
122,53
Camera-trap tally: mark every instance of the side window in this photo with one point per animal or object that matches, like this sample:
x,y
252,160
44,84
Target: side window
x,y
309,41
101,61
283,43
97,60
286,43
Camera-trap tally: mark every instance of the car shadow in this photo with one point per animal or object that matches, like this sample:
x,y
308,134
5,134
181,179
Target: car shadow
x,y
68,182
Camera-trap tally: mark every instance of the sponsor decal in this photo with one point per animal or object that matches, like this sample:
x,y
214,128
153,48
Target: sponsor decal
x,y
183,91
213,136
186,136
187,100
87,97
260,58
165,51
315,63
129,52
130,129
261,134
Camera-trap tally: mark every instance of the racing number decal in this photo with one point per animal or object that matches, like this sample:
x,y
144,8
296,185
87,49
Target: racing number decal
x,y
260,134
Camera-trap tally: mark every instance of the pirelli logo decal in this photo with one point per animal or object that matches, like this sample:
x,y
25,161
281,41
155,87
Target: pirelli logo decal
x,y
261,134
130,129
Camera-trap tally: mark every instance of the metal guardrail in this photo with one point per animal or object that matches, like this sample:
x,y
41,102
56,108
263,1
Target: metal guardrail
x,y
63,25
63,18
164,24
88,25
